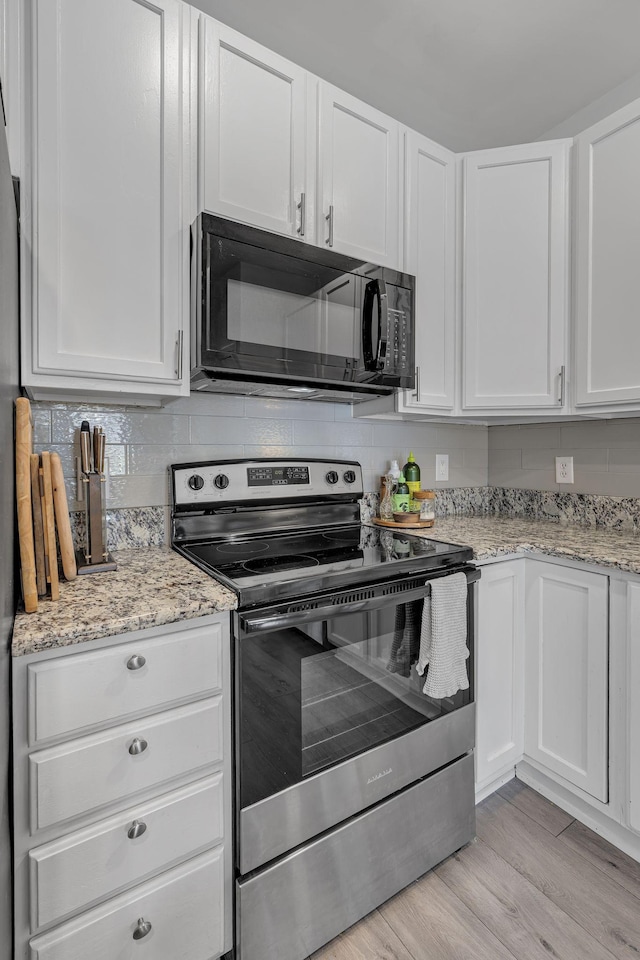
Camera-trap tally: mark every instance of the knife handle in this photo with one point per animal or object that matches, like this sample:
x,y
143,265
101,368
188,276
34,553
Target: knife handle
x,y
85,449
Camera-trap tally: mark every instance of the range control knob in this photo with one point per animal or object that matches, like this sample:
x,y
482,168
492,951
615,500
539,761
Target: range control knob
x,y
196,482
349,476
332,477
221,482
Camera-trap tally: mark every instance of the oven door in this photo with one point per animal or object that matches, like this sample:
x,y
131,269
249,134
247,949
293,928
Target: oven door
x,y
331,716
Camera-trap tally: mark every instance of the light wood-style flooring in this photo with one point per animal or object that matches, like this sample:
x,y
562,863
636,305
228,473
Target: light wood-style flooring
x,y
535,885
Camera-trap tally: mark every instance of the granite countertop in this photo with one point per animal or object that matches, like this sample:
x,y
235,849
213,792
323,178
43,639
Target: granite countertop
x,y
152,586
500,536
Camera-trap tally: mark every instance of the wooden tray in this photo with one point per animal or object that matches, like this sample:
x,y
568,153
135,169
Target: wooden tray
x,y
416,524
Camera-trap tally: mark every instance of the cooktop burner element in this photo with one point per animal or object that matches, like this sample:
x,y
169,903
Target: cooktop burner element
x,y
242,548
276,564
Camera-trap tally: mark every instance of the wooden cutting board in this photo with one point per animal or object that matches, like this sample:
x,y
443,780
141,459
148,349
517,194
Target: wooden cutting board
x,y
38,525
51,551
63,522
24,446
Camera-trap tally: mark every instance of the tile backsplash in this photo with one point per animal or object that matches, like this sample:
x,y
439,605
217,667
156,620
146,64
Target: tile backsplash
x,y
142,442
606,456
505,469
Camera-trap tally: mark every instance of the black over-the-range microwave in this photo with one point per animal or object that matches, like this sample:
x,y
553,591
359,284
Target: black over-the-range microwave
x,y
274,316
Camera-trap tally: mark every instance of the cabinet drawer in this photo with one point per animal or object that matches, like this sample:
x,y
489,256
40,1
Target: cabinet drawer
x,y
69,874
77,777
71,693
184,906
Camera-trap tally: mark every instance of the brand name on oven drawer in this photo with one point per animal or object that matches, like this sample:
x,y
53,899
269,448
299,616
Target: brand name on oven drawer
x,y
379,776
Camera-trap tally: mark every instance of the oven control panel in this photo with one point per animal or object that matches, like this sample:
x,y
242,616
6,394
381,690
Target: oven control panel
x,y
242,481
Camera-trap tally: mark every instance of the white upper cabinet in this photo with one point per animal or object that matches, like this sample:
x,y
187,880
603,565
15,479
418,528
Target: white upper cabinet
x,y
430,255
109,246
515,277
359,197
254,123
607,258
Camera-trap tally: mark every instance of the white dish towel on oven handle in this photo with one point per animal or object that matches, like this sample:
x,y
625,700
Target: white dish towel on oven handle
x,y
443,637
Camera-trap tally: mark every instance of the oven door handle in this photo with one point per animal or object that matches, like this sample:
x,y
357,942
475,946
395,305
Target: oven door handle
x,y
262,621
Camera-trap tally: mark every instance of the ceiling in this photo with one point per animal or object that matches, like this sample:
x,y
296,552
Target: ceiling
x,y
467,73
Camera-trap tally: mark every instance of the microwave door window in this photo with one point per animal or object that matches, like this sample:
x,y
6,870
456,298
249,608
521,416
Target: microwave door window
x,y
297,312
262,316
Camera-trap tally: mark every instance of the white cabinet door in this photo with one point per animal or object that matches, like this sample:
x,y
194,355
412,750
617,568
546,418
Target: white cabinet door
x,y
253,125
499,670
359,185
566,669
430,229
607,257
633,729
110,179
515,278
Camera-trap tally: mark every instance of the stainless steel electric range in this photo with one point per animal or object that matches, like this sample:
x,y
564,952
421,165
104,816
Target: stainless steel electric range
x,y
350,781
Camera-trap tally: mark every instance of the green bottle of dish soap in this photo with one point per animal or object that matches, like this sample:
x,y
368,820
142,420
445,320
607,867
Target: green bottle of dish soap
x,y
411,471
401,497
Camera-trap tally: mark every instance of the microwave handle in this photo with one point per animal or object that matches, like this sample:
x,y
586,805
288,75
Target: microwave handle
x,y
374,359
275,620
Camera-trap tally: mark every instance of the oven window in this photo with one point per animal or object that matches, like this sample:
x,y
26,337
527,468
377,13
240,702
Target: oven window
x,y
316,695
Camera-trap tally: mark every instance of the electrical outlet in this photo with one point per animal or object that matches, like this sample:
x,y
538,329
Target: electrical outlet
x,y
442,466
564,469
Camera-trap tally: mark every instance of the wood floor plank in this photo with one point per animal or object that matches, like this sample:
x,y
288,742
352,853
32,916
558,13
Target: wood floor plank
x,y
434,924
547,814
616,864
604,908
370,939
516,911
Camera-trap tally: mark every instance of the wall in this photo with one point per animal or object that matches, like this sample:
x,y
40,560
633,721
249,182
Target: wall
x,y
142,442
606,456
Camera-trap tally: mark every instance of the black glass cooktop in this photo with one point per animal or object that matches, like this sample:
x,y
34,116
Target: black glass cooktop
x,y
293,564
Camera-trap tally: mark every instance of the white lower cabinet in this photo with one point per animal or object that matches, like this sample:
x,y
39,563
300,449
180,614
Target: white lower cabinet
x,y
122,836
178,915
566,669
558,689
499,671
633,699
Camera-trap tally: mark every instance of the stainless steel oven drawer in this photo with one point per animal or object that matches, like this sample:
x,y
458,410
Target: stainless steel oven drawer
x,y
283,821
300,903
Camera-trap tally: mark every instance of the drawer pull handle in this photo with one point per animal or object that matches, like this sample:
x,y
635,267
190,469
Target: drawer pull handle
x,y
135,662
143,927
138,745
137,828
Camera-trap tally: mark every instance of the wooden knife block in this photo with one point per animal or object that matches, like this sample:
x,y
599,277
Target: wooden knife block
x,y
95,558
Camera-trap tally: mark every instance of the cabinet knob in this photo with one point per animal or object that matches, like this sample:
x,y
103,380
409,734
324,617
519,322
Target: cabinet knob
x,y
143,927
137,828
138,745
136,662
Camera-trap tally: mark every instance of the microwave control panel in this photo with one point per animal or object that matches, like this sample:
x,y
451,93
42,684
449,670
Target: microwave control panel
x,y
395,353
